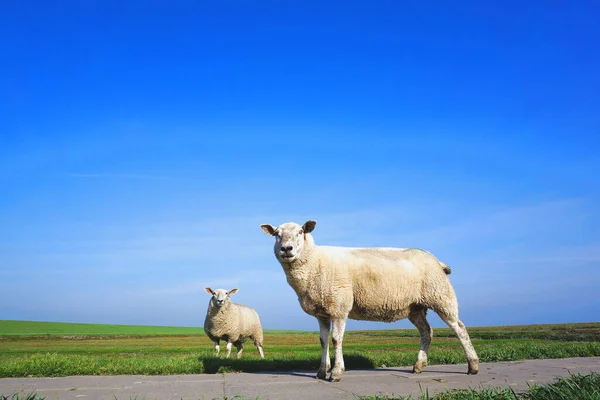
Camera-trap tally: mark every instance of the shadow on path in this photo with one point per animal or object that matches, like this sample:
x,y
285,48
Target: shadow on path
x,y
307,367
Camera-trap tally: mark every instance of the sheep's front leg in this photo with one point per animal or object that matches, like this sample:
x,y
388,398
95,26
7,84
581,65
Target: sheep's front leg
x,y
324,326
339,326
229,344
217,348
418,318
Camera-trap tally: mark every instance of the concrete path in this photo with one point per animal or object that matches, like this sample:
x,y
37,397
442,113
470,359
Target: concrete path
x,y
301,384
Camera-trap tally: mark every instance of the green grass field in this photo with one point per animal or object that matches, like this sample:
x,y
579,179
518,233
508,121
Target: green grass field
x,y
62,349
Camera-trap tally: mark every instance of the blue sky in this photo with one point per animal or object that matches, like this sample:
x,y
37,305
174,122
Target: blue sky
x,y
143,144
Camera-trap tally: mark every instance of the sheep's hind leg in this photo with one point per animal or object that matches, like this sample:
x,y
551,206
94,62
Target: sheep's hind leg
x,y
217,348
240,349
260,351
339,326
418,317
260,348
461,332
228,349
257,337
324,326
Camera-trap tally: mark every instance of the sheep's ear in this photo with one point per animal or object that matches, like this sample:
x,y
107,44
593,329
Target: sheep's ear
x,y
268,229
232,291
209,291
309,226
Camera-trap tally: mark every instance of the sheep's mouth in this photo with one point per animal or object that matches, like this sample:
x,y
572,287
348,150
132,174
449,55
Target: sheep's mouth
x,y
287,256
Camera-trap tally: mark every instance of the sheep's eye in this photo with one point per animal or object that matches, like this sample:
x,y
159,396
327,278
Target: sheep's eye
x,y
301,232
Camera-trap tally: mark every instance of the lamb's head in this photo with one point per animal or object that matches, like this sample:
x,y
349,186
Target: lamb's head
x,y
220,297
290,239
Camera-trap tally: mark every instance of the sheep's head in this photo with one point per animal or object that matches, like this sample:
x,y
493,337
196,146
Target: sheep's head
x,y
290,239
220,297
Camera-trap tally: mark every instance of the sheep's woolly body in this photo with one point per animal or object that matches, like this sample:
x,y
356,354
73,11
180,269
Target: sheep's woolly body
x,y
373,284
233,322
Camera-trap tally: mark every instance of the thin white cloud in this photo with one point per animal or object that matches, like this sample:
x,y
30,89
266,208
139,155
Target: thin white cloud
x,y
552,290
219,278
120,176
505,218
582,258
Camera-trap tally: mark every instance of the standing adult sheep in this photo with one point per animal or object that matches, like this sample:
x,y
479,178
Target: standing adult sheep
x,y
231,322
372,284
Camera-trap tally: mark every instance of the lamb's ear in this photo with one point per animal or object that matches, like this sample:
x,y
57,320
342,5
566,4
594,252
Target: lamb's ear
x,y
268,229
209,291
309,226
232,291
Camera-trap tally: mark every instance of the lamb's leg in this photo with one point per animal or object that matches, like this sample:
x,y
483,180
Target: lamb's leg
x,y
217,348
324,326
417,317
461,332
228,349
240,349
339,326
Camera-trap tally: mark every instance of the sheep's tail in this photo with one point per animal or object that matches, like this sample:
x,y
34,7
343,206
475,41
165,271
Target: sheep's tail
x,y
446,268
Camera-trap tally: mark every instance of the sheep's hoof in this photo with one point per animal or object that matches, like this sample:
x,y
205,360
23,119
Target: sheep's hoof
x,y
418,367
322,374
473,368
336,375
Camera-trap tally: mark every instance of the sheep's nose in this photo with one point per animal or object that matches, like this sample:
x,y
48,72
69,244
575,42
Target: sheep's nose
x,y
286,248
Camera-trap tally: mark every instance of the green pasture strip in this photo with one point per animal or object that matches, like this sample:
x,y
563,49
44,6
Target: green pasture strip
x,y
177,345
53,363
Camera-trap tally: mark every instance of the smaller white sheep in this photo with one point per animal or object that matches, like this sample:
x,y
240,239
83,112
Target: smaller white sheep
x,y
231,322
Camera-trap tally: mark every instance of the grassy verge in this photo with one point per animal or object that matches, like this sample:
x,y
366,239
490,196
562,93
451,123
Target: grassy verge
x,y
574,387
23,396
155,354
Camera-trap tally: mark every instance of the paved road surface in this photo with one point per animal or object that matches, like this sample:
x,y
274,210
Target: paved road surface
x,y
301,384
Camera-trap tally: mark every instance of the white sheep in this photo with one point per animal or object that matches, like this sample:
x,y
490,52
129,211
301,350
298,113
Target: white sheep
x,y
372,284
231,322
